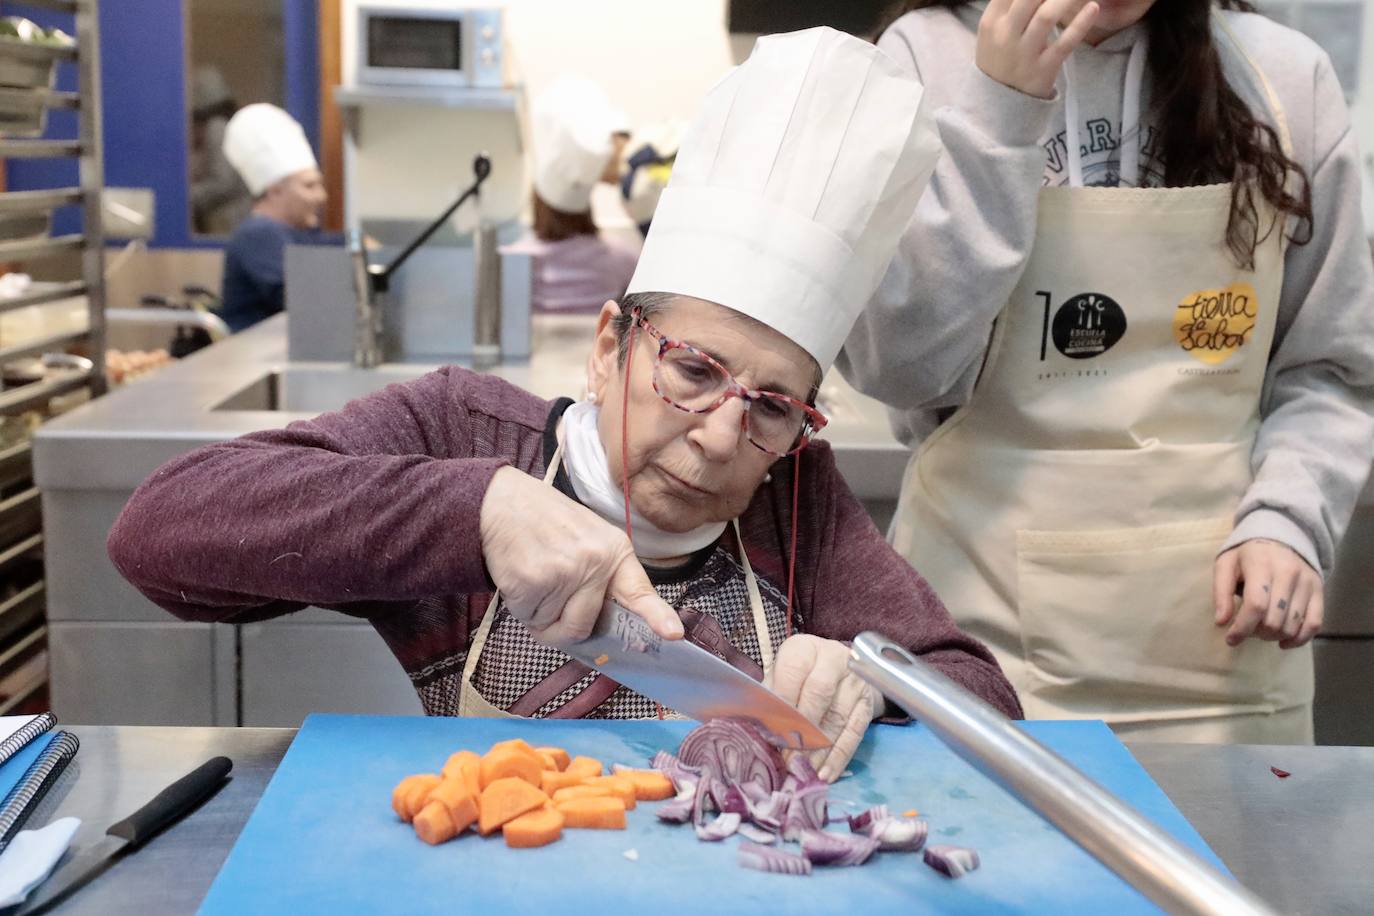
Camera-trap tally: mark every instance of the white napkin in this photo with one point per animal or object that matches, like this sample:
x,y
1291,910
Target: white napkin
x,y
29,857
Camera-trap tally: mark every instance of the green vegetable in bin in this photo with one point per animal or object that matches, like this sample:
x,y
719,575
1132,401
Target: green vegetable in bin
x,y
27,30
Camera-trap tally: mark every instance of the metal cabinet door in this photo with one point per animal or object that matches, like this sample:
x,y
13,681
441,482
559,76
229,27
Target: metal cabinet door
x,y
292,669
136,673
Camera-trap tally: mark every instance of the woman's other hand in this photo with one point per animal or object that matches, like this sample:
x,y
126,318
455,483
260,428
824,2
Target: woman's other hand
x,y
555,562
1281,599
1017,44
813,675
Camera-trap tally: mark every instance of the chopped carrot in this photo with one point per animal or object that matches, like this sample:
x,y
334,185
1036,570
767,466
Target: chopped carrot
x,y
604,813
584,767
434,825
650,785
411,793
507,759
453,794
622,789
550,765
463,762
539,827
552,780
505,799
557,754
519,744
583,791
911,813
471,768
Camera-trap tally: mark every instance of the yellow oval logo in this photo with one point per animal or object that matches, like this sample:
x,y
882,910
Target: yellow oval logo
x,y
1212,324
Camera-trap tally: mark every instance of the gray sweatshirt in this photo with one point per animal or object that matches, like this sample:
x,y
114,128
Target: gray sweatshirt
x,y
921,341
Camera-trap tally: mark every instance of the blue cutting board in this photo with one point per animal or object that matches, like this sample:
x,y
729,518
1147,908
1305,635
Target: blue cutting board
x,y
324,837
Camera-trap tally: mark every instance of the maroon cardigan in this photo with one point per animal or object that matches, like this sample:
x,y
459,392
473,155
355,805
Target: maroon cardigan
x,y
373,511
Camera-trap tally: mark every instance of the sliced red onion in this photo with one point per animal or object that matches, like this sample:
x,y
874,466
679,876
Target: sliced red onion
x,y
821,847
805,811
723,826
770,813
861,822
799,766
757,834
899,834
754,792
681,774
766,858
678,810
735,751
951,861
701,801
729,799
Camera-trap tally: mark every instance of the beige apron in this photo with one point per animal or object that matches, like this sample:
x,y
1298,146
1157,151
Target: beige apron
x,y
1070,514
472,703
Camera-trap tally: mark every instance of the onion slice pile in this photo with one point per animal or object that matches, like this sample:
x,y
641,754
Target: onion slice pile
x,y
732,779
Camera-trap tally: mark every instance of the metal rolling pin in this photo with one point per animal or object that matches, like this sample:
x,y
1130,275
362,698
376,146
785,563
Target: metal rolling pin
x,y
1118,836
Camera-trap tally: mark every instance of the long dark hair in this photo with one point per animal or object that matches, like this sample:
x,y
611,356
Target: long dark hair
x,y
1206,133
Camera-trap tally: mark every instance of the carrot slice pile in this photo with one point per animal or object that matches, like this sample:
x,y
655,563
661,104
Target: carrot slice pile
x,y
528,793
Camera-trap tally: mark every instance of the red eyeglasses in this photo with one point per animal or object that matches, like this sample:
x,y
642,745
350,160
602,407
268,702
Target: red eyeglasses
x,y
694,382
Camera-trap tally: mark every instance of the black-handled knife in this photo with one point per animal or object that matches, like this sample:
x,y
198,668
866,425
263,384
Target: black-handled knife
x,y
128,835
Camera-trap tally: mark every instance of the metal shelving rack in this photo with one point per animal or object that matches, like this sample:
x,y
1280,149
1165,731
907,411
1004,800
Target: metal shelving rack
x,y
23,631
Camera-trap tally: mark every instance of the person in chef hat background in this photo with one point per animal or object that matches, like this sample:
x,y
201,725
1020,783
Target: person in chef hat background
x,y
685,484
269,150
576,136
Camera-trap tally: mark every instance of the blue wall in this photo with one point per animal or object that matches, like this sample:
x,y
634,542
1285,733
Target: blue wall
x,y
143,79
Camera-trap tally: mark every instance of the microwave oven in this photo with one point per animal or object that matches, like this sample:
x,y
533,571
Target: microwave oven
x,y
458,48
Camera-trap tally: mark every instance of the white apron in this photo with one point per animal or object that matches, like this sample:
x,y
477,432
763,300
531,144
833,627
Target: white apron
x,y
1069,515
472,703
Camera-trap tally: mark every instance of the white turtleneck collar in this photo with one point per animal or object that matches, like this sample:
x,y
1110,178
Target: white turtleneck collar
x,y
584,457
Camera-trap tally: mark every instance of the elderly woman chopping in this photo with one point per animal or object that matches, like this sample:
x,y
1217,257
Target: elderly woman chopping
x,y
479,528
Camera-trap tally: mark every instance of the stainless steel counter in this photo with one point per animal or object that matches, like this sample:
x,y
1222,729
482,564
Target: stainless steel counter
x,y
1302,843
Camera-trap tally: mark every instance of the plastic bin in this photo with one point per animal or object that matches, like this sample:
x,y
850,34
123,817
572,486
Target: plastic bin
x,y
22,117
25,65
17,226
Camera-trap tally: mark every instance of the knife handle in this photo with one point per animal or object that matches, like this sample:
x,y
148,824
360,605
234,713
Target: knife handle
x,y
172,802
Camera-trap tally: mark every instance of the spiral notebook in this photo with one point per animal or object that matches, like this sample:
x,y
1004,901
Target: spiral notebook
x,y
32,756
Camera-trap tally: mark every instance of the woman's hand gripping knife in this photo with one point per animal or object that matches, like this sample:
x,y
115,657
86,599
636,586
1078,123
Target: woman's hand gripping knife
x,y
555,562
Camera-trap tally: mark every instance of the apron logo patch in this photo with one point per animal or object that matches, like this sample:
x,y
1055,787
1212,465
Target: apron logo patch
x,y
1212,324
1087,325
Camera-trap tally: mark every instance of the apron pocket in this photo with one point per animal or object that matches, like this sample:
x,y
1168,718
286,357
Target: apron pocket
x,y
1117,625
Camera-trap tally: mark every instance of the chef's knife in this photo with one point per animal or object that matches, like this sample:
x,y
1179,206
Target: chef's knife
x,y
129,834
687,678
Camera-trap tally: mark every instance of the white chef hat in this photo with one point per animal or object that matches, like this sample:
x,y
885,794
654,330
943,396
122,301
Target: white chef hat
x,y
572,122
793,185
264,145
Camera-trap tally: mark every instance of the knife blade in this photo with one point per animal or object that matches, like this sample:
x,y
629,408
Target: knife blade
x,y
128,835
687,678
